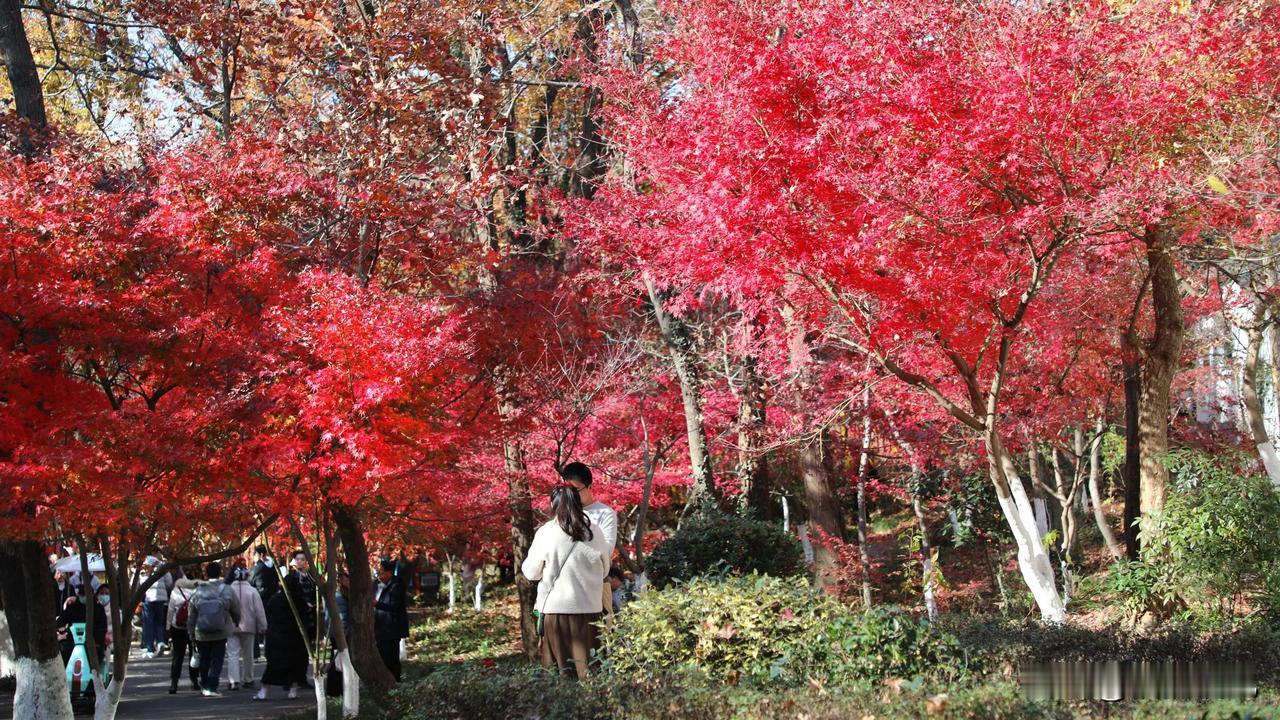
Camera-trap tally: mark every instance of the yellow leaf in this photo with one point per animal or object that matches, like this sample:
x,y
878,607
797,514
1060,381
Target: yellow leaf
x,y
1217,185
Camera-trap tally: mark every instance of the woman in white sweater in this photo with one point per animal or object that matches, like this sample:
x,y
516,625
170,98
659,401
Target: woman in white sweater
x,y
253,620
570,572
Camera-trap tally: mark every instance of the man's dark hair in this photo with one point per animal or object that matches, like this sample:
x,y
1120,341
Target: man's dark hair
x,y
299,553
260,550
213,571
388,565
617,572
577,472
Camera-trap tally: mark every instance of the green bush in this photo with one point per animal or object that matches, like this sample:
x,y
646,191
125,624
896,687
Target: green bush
x,y
508,693
467,692
1218,536
760,630
719,543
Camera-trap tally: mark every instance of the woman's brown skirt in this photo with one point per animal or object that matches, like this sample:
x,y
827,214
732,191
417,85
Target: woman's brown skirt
x,y
567,642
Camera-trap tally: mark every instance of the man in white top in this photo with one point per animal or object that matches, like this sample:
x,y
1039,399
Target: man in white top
x,y
602,516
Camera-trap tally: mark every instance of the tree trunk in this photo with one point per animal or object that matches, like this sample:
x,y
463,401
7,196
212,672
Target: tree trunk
x,y
25,582
1033,561
589,165
646,497
361,642
824,509
1132,459
124,601
28,590
864,469
341,650
1066,499
1160,363
927,570
1274,337
926,557
752,471
1095,492
520,507
675,335
1253,415
1039,505
24,79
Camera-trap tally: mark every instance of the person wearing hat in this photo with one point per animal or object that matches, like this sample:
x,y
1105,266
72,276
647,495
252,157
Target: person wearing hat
x,y
253,621
390,616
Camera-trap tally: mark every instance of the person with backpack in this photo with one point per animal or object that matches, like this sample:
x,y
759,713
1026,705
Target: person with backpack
x,y
179,639
212,616
570,574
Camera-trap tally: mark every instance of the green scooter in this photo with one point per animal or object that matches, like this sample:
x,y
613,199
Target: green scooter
x,y
80,680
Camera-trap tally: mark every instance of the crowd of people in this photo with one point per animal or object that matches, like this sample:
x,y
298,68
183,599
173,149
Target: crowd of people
x,y
229,618
215,619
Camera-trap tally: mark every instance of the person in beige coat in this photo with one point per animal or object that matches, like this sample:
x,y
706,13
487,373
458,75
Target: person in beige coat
x,y
570,573
253,621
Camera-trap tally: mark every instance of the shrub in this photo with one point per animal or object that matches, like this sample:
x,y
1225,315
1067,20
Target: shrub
x,y
765,630
718,543
521,693
504,692
1218,535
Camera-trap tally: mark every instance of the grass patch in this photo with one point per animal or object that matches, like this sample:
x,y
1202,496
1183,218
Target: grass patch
x,y
439,637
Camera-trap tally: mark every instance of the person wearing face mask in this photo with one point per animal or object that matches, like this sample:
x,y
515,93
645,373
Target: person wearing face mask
x,y
76,611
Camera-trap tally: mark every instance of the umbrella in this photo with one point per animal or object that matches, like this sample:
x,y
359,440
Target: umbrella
x,y
72,564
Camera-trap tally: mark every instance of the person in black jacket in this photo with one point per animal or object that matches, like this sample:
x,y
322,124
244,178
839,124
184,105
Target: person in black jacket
x,y
287,656
390,617
74,611
264,578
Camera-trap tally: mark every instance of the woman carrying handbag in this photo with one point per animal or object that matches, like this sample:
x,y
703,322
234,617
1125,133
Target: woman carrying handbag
x,y
570,572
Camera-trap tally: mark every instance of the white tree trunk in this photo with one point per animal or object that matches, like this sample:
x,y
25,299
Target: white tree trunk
x,y
8,660
1252,403
1095,493
930,600
108,701
42,690
926,560
350,685
1033,561
453,592
322,703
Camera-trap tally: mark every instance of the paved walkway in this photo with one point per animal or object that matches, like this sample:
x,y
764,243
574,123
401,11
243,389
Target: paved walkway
x,y
146,697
